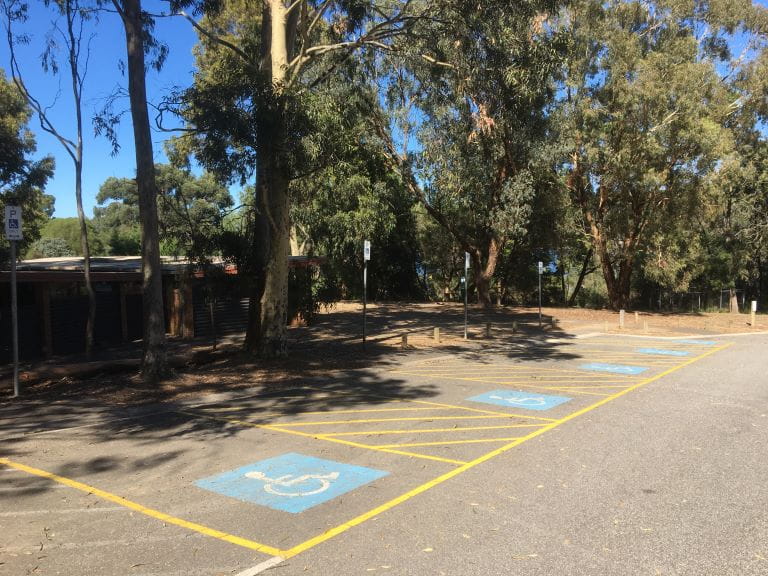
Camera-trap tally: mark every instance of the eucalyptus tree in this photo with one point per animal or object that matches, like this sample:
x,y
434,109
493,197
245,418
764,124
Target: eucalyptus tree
x,y
261,75
69,39
469,99
191,210
22,178
644,115
137,25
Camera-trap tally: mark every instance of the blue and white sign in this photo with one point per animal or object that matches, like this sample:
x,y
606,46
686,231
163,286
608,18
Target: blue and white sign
x,y
699,342
613,368
518,399
291,482
661,352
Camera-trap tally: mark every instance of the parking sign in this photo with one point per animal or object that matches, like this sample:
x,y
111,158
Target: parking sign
x,y
13,223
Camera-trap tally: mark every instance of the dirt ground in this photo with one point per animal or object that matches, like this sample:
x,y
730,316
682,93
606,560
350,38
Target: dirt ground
x,y
333,342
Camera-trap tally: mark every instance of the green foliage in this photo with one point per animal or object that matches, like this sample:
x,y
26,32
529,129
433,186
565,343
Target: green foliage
x,y
22,179
49,248
644,115
68,230
191,211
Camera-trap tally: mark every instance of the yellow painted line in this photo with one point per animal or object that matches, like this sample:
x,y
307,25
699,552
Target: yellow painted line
x,y
341,528
364,421
448,442
523,416
312,542
319,412
277,428
151,512
428,430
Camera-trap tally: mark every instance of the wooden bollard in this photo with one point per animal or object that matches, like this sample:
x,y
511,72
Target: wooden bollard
x,y
436,335
487,329
621,319
404,341
637,317
514,327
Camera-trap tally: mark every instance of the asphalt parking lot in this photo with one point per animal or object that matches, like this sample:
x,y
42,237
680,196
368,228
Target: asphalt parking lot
x,y
599,455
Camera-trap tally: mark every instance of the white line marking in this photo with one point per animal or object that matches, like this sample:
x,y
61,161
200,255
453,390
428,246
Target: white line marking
x,y
259,568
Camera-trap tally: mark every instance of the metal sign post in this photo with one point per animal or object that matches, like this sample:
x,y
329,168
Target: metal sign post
x,y
366,258
13,233
466,286
541,271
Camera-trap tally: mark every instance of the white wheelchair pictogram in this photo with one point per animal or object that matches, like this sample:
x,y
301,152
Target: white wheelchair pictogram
x,y
291,486
521,400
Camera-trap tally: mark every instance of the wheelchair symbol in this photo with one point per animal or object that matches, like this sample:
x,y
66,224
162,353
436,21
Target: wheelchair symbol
x,y
521,400
291,486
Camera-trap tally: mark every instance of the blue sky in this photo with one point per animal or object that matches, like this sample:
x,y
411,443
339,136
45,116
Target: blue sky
x,y
104,76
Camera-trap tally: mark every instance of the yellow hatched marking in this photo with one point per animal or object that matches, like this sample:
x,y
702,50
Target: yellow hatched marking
x,y
423,419
341,528
321,412
277,428
523,416
447,442
356,521
151,512
428,430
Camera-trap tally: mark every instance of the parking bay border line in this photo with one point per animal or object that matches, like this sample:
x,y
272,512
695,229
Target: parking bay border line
x,y
360,519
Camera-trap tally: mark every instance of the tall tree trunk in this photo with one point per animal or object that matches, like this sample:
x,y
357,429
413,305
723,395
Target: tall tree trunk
x,y
484,274
585,269
154,364
734,301
267,334
85,246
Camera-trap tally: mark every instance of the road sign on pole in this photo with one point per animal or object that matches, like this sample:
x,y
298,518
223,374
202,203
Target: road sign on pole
x,y
366,258
541,271
13,223
466,289
14,234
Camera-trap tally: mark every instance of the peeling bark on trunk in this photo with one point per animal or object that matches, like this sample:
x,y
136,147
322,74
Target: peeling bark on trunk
x,y
267,334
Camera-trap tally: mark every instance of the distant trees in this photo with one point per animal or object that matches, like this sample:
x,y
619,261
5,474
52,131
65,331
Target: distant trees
x,y
22,178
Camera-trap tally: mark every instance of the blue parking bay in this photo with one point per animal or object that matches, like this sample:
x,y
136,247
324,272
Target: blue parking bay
x,y
518,399
694,341
613,368
662,352
291,482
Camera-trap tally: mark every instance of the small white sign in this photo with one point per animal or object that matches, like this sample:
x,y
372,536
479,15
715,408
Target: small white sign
x,y
541,267
466,260
366,250
754,305
13,223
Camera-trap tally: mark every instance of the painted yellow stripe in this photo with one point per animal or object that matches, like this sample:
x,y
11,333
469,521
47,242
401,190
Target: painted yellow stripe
x,y
417,431
277,428
312,542
523,416
151,512
368,421
449,442
314,412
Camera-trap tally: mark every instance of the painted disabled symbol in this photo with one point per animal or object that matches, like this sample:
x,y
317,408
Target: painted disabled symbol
x,y
520,399
290,482
292,486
